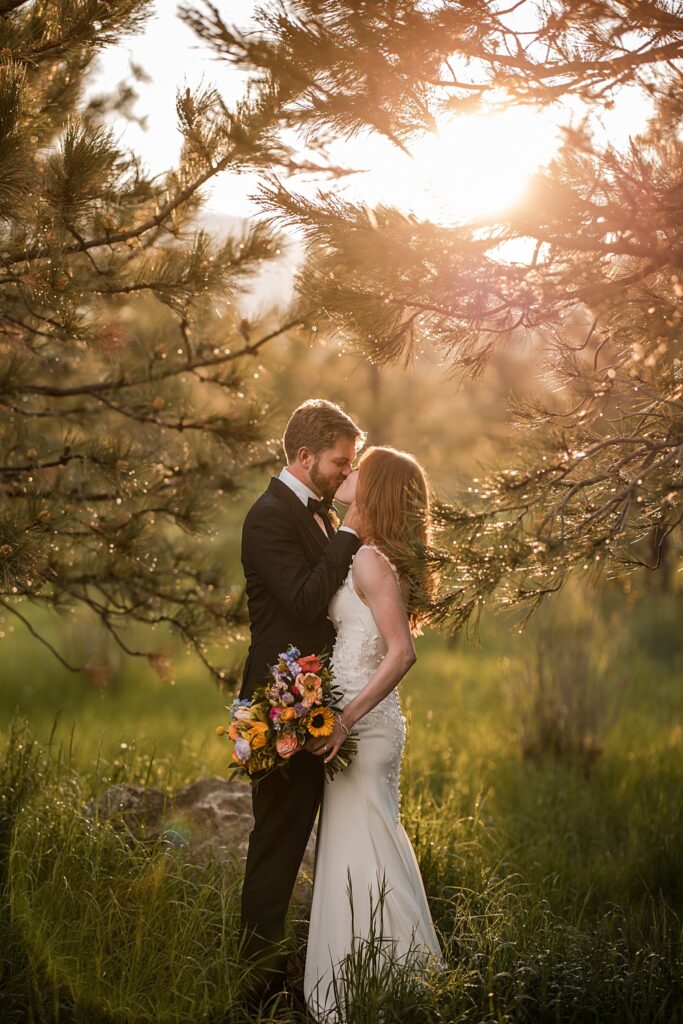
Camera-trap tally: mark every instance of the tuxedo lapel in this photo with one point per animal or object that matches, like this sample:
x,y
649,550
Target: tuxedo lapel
x,y
286,494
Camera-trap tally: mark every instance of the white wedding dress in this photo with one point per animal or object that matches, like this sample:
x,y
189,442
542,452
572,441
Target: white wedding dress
x,y
360,834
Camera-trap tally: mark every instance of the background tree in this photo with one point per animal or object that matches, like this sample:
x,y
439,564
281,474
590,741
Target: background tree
x,y
126,425
599,293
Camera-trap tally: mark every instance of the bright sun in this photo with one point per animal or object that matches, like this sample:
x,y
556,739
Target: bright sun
x,y
473,166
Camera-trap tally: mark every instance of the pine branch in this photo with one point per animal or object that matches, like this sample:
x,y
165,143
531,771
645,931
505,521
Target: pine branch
x,y
123,382
39,252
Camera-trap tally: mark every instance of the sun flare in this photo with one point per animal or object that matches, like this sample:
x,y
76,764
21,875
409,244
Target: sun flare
x,y
472,166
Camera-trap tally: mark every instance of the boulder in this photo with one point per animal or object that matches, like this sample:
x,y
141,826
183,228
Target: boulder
x,y
210,817
135,808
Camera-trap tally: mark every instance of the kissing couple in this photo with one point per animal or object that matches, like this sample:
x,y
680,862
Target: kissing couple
x,y
352,590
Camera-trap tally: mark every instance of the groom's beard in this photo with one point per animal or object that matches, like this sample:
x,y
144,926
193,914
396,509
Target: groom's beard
x,y
327,487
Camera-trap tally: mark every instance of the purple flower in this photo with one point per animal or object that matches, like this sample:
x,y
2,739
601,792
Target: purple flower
x,y
242,749
301,710
287,698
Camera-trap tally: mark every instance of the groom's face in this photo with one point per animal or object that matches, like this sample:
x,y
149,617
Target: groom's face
x,y
329,468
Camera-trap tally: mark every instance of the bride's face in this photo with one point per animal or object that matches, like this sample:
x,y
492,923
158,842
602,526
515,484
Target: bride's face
x,y
346,491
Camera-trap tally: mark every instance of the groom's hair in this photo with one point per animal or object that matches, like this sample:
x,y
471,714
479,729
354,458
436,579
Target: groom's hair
x,y
317,424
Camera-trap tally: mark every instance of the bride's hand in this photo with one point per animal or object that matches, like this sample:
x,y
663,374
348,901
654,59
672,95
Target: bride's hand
x,y
327,745
352,519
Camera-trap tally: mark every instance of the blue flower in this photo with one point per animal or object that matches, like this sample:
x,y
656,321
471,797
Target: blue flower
x,y
238,703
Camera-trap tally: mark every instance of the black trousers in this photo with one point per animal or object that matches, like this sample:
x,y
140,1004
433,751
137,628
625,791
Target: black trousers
x,y
284,812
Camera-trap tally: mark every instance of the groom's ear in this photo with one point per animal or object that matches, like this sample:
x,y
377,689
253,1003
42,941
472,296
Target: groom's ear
x,y
304,456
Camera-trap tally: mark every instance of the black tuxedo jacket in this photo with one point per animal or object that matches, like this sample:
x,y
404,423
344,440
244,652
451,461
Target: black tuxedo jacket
x,y
292,570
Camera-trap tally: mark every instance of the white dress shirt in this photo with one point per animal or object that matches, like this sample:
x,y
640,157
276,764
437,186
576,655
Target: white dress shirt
x,y
304,493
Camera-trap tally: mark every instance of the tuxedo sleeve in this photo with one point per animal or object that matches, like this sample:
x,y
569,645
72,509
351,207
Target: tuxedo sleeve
x,y
273,548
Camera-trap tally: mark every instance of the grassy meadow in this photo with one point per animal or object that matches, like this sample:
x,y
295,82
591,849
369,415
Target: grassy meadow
x,y
555,880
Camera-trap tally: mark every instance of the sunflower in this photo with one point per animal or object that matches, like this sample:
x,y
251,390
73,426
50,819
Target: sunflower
x,y
320,722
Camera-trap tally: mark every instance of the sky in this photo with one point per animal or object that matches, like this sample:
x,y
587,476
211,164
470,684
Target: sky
x,y
457,175
174,58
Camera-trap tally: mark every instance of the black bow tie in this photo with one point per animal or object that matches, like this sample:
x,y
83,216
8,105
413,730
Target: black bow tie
x,y
321,506
323,509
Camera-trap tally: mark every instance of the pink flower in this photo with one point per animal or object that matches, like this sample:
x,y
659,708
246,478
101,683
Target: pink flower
x,y
274,713
287,745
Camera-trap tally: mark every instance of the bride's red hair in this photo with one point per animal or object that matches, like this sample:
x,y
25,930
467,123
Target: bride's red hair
x,y
392,496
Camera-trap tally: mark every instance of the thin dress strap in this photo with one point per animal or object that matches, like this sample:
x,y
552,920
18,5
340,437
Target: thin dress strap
x,y
379,551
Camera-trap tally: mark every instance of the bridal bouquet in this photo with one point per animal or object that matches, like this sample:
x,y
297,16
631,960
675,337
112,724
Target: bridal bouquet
x,y
298,701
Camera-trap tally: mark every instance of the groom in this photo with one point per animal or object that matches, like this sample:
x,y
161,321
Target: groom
x,y
294,560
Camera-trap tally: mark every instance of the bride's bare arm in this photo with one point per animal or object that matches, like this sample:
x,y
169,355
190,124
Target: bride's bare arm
x,y
375,579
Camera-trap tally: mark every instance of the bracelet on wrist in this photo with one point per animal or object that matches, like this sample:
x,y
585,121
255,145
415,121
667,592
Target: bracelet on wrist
x,y
343,725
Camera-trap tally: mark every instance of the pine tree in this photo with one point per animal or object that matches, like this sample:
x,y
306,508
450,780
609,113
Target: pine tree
x,y
597,472
125,422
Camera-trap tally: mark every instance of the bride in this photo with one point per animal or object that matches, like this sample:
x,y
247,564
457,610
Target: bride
x,y
367,883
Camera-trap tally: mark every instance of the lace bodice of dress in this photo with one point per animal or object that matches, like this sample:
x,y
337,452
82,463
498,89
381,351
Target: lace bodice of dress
x,y
359,647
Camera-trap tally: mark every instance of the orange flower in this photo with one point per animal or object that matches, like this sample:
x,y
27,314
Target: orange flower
x,y
287,745
257,734
288,714
311,663
308,684
232,731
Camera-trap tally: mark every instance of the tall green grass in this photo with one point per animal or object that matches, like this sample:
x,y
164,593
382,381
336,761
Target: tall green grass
x,y
558,894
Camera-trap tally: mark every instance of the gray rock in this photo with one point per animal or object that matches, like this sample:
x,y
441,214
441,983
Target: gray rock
x,y
135,808
211,817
